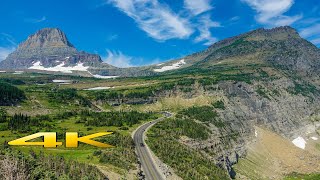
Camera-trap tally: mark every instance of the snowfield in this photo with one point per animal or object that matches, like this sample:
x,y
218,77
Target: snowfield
x,y
18,72
104,77
172,67
61,81
60,68
97,88
314,138
299,142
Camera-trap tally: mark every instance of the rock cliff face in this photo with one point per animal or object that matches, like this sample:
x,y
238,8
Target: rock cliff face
x,y
46,38
49,47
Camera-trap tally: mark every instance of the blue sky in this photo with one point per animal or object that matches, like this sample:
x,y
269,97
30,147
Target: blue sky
x,y
139,32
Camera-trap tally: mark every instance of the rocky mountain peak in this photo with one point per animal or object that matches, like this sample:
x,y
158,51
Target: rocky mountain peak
x,y
46,38
282,32
281,29
49,47
262,34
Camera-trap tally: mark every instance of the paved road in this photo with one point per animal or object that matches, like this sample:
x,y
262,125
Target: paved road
x,y
149,168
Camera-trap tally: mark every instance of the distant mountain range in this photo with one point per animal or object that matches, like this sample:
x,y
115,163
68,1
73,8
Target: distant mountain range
x,y
49,50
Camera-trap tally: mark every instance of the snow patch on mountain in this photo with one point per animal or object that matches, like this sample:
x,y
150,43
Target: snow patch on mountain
x,y
104,77
59,68
61,81
18,72
299,142
314,138
172,67
97,88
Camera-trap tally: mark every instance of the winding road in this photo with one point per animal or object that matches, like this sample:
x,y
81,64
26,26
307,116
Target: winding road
x,y
149,167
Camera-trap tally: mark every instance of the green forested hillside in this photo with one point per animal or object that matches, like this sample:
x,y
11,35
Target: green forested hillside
x,y
9,94
189,164
18,166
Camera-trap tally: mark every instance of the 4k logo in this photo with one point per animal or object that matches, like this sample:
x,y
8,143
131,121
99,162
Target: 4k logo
x,y
50,140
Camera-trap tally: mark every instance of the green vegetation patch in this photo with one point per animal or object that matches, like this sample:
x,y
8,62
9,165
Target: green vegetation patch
x,y
219,105
122,156
16,165
68,96
297,176
203,114
113,118
304,88
235,44
25,123
12,81
188,163
263,92
10,95
185,127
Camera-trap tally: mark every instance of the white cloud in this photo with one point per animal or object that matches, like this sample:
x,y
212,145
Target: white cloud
x,y
35,20
270,12
284,20
205,24
5,51
8,45
308,21
118,59
235,18
310,31
161,23
156,19
198,6
7,39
